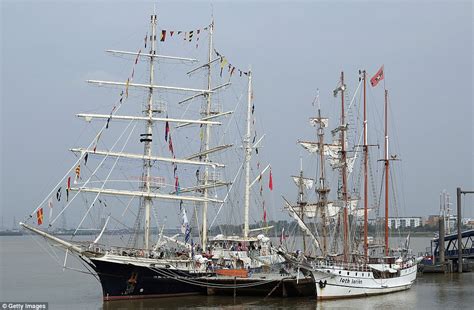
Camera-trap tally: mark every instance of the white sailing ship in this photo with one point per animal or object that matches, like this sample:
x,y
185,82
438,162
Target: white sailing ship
x,y
359,269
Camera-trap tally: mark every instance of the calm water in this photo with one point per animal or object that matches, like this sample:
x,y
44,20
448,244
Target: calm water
x,y
29,273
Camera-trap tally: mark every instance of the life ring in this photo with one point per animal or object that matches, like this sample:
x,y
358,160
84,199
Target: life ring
x,y
322,284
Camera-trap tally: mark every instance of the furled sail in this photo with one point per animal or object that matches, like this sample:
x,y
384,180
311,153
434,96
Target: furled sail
x,y
331,150
307,182
315,121
335,207
309,210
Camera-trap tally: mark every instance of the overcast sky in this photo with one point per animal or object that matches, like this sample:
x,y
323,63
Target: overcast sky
x,y
50,47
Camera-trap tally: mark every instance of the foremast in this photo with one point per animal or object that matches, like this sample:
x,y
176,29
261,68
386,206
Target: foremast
x,y
322,190
147,164
207,140
248,156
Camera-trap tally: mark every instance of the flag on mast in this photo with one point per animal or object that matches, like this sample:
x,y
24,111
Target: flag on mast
x,y
78,173
58,194
270,182
39,216
167,130
377,77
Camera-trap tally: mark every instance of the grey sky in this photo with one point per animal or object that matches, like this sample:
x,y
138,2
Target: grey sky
x,y
50,48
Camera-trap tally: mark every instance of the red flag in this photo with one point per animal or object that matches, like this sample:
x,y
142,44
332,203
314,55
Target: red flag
x,y
270,182
176,185
39,216
170,145
377,77
163,35
69,183
167,130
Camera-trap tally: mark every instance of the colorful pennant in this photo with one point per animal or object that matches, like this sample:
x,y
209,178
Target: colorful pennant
x,y
188,35
224,62
39,216
58,194
270,181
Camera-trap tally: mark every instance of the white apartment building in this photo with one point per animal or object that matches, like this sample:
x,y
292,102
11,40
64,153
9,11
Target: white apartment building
x,y
402,222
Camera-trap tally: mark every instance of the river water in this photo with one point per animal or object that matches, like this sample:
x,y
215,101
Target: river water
x,y
29,272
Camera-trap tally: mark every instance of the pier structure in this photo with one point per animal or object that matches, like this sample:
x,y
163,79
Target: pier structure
x,y
459,192
451,248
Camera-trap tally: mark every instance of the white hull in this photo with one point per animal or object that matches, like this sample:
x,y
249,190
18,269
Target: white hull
x,y
332,283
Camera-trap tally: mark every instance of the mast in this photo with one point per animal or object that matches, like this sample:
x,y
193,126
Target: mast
x,y
301,201
322,190
386,174
248,154
344,172
366,159
148,139
206,143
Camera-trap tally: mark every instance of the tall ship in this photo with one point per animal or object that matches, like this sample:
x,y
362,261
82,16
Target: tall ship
x,y
173,156
343,261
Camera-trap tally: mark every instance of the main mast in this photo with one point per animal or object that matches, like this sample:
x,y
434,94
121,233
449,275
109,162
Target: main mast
x,y
248,154
207,141
387,163
366,159
344,172
149,132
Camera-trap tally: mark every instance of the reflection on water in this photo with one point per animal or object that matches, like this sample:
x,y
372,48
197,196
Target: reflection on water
x,y
434,291
28,273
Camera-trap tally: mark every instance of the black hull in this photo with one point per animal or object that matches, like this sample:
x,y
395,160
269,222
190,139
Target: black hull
x,y
126,281
277,288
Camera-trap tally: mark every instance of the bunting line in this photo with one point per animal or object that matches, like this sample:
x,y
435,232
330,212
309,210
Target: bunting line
x,y
230,68
185,35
